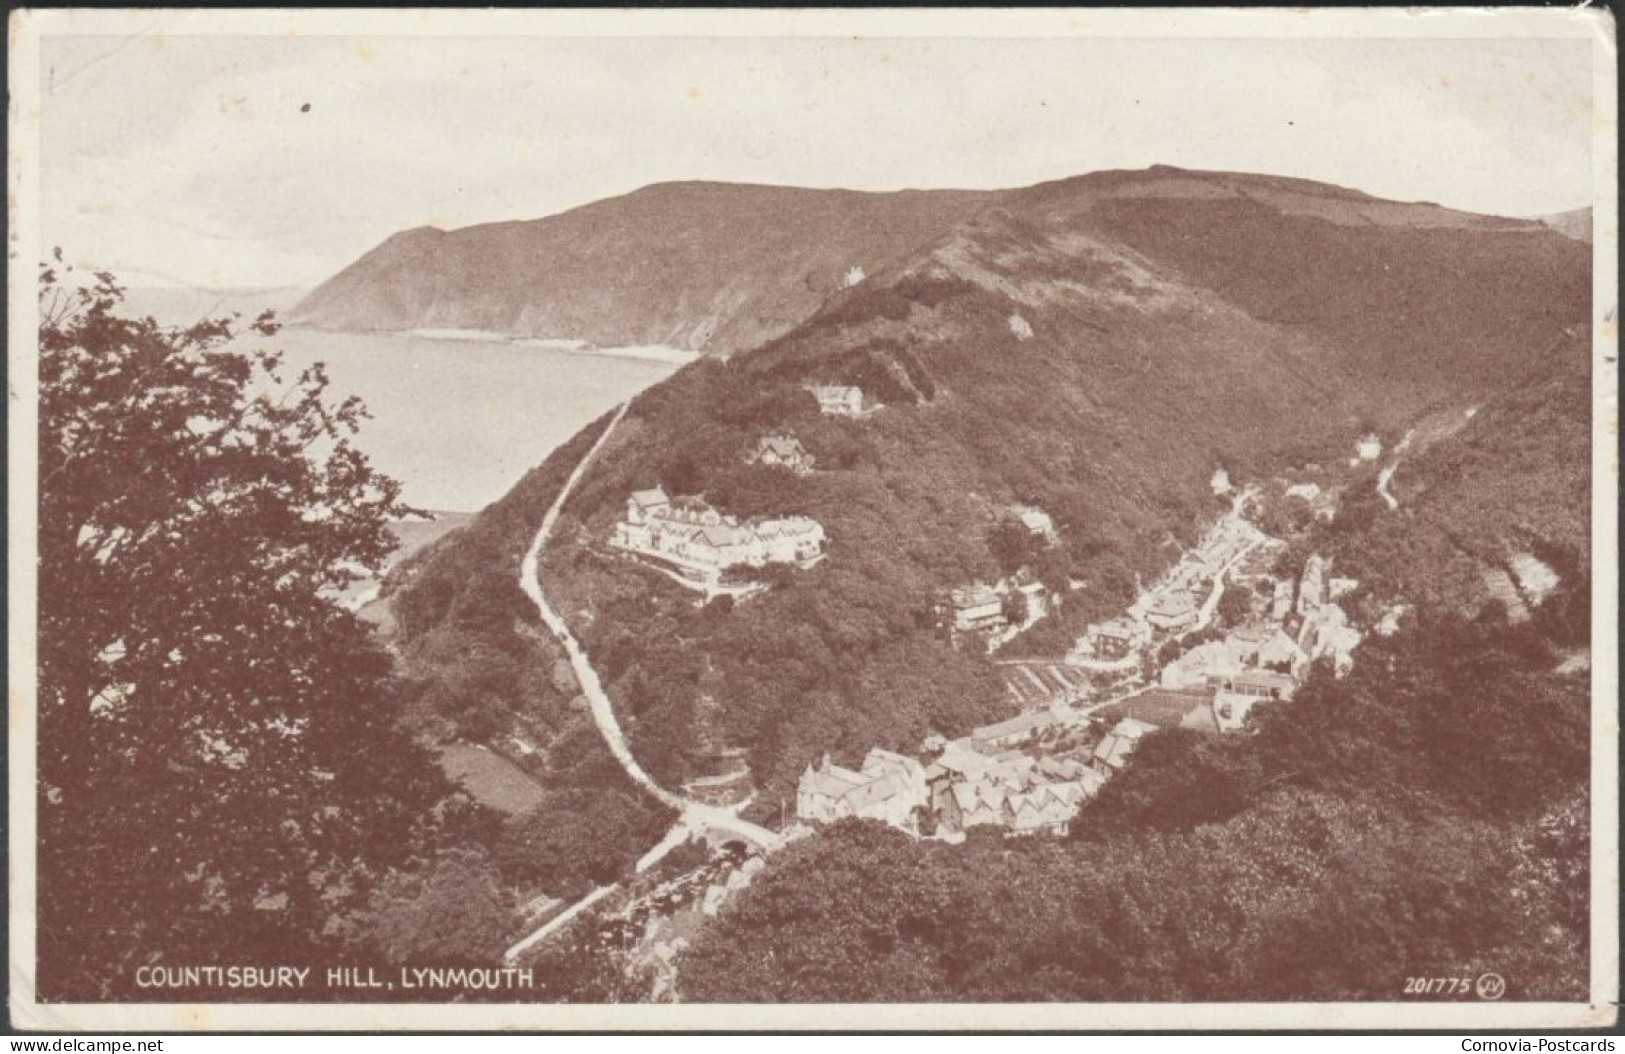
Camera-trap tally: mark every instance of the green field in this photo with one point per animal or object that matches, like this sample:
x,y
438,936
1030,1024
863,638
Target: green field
x,y
490,778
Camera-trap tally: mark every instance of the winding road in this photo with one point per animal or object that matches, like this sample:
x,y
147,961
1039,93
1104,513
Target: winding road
x,y
1388,473
1382,485
696,816
603,714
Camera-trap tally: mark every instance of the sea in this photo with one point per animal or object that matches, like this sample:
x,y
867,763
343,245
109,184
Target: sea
x,y
458,416
459,420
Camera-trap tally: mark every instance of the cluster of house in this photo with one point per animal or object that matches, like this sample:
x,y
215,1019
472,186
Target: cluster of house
x,y
1023,776
887,787
694,543
1176,603
991,778
988,780
1262,660
1253,663
1324,630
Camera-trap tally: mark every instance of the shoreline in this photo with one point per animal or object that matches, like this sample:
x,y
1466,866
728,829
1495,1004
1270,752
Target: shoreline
x,y
653,353
645,353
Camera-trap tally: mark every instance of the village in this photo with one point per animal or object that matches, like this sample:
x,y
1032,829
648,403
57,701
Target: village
x,y
1165,663
1170,660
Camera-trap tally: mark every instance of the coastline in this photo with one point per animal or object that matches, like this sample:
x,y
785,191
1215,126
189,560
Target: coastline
x,y
659,353
646,353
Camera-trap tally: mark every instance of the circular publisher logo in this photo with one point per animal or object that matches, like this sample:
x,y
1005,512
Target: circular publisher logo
x,y
1491,986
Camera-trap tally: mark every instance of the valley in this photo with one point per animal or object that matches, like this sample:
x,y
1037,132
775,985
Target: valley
x,y
1182,432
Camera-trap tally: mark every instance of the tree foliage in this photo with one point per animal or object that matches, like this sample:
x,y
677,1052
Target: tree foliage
x,y
218,756
576,839
453,910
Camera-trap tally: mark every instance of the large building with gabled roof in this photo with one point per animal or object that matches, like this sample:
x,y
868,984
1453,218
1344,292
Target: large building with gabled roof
x,y
695,543
888,788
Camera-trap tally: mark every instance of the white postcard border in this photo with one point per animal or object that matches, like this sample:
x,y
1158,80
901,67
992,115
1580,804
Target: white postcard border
x,y
26,247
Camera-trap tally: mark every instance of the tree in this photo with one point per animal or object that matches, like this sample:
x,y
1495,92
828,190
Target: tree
x,y
1014,607
1235,603
218,758
580,838
683,476
451,910
1012,545
1285,516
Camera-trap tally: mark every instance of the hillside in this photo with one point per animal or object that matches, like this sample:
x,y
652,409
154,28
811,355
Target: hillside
x,y
1497,509
706,266
1402,304
1576,223
1095,347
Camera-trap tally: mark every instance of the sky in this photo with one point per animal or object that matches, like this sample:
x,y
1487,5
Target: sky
x,y
277,160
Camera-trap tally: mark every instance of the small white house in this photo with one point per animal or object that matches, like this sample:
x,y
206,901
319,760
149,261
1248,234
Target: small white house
x,y
841,400
782,451
1037,522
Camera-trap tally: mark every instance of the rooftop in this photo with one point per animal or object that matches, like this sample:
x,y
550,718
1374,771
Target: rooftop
x,y
652,496
833,781
1265,679
1119,626
1016,725
1133,728
782,445
1173,603
977,595
1255,632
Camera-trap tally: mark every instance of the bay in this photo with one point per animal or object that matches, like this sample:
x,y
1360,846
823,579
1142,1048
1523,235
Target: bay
x,y
459,421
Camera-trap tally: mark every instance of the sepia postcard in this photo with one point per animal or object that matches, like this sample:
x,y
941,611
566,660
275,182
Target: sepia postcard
x,y
813,519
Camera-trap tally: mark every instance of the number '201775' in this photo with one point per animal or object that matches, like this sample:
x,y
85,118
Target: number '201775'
x,y
1438,985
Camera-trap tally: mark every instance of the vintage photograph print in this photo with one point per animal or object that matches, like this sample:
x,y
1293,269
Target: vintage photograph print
x,y
1069,520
